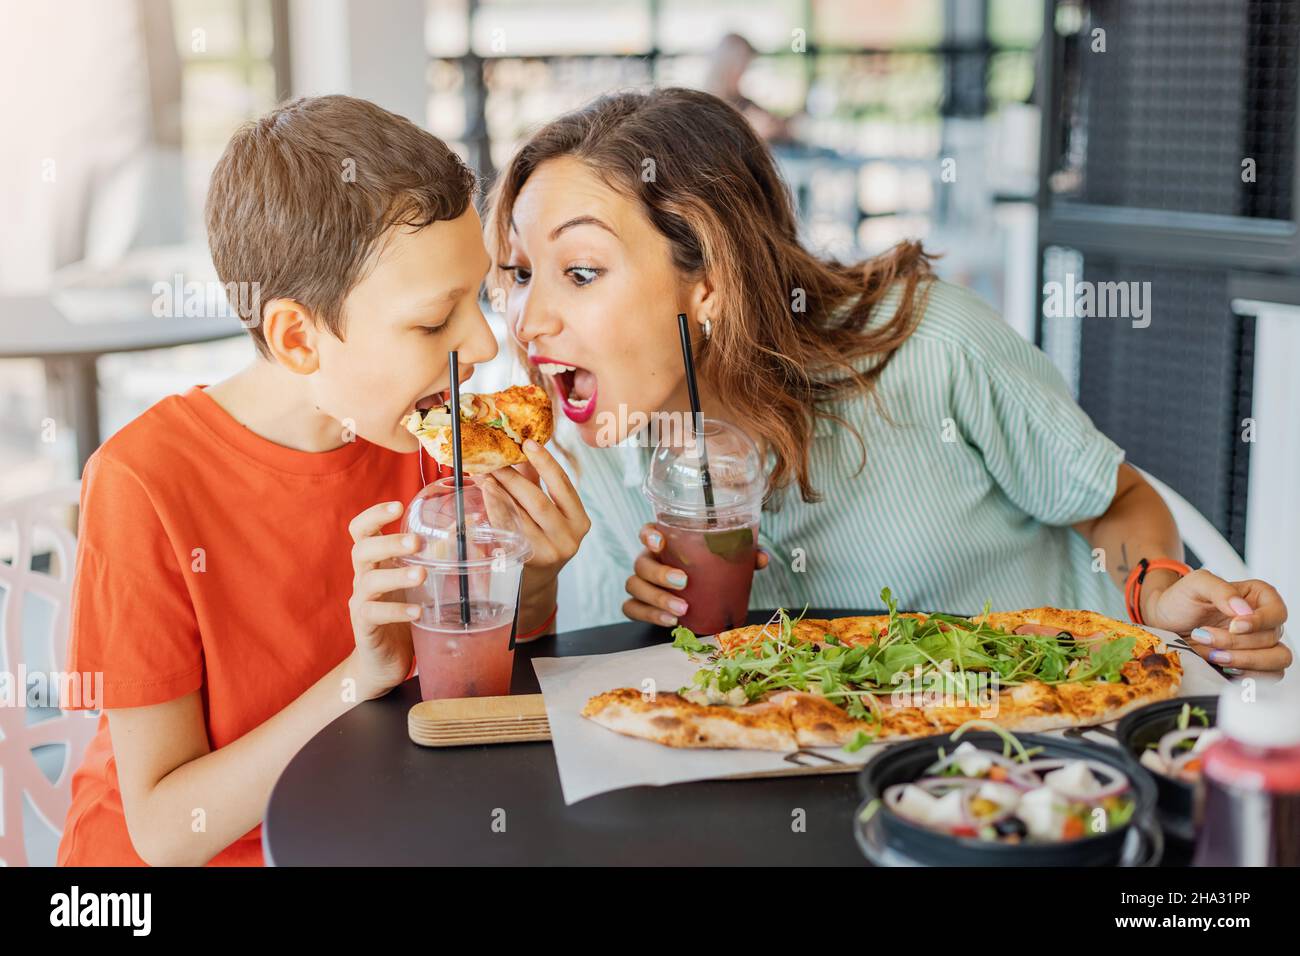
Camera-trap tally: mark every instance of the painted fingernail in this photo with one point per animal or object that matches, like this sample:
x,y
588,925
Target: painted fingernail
x,y
1238,625
1234,671
394,507
411,542
531,445
413,574
667,620
1201,636
654,539
413,611
1239,606
679,606
677,579
1220,657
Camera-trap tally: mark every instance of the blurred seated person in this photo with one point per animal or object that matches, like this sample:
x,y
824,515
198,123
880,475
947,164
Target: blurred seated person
x,y
730,61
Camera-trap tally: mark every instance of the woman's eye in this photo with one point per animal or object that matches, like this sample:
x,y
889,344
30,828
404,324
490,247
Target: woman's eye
x,y
583,275
432,329
518,274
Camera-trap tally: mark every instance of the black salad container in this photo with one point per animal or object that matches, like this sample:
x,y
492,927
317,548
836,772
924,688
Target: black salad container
x,y
1175,800
888,838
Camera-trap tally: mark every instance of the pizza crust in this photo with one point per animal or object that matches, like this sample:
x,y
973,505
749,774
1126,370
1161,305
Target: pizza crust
x,y
672,720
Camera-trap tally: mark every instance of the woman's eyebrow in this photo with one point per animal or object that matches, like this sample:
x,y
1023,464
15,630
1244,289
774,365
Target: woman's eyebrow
x,y
580,221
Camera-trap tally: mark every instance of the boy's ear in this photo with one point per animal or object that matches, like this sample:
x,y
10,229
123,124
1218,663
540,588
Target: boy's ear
x,y
290,331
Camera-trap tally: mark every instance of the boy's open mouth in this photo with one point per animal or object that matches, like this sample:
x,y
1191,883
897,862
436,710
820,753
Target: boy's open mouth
x,y
432,400
576,387
423,404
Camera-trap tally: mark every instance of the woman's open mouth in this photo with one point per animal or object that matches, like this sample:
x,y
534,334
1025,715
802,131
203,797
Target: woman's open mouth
x,y
575,385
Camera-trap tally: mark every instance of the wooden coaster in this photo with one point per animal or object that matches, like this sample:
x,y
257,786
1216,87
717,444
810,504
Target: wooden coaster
x,y
463,721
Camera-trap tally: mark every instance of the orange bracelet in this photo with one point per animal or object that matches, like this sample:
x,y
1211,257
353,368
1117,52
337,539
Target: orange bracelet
x,y
541,628
1133,586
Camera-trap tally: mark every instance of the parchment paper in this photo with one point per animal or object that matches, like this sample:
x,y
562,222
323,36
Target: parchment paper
x,y
593,760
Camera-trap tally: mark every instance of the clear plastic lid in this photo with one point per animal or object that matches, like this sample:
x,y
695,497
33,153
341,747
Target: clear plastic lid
x,y
492,526
674,482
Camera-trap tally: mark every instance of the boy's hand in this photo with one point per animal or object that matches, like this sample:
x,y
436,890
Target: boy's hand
x,y
554,520
382,629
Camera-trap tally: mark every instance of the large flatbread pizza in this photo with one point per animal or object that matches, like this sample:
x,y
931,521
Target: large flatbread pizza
x,y
791,684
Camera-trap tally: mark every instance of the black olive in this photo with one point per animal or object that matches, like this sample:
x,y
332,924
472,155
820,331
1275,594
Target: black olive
x,y
1011,827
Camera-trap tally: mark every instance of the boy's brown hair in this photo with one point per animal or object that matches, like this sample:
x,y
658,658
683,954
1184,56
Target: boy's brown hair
x,y
301,197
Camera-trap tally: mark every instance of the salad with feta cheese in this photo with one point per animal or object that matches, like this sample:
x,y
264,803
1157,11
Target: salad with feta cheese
x,y
1011,796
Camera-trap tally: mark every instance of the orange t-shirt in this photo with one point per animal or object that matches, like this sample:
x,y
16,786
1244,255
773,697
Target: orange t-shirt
x,y
211,559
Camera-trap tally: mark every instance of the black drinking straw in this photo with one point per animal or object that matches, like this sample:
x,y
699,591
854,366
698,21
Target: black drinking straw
x,y
697,416
458,468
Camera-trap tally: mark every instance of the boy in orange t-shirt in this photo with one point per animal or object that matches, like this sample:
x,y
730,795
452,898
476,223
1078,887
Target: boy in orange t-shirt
x,y
235,578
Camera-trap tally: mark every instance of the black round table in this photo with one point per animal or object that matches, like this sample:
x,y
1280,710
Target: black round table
x,y
361,793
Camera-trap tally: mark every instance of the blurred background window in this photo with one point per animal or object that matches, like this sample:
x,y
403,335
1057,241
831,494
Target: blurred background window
x,y
890,119
862,100
108,186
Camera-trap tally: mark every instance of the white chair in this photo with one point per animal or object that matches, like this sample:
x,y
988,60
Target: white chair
x,y
34,640
1212,548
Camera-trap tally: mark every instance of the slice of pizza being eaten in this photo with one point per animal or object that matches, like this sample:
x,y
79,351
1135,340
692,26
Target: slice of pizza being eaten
x,y
493,428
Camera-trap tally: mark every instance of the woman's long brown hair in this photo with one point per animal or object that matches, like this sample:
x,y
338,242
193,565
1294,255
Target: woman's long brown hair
x,y
710,186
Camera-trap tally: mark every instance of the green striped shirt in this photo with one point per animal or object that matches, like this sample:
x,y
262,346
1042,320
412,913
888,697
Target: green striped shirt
x,y
967,493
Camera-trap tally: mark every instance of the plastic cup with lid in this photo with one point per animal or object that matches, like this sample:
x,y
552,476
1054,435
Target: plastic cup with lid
x,y
707,491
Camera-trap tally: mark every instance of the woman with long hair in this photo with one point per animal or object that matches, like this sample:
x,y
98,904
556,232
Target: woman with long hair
x,y
912,439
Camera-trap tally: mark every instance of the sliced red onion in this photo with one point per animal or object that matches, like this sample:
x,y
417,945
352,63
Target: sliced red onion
x,y
1172,739
1047,763
1024,779
1118,783
950,782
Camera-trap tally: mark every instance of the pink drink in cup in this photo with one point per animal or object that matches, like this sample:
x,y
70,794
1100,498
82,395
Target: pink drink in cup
x,y
456,657
454,662
719,567
714,544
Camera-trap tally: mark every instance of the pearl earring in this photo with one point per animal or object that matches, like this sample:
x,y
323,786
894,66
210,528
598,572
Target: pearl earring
x,y
708,328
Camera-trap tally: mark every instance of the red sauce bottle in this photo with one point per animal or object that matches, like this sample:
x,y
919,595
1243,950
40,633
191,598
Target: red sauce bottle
x,y
1251,780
